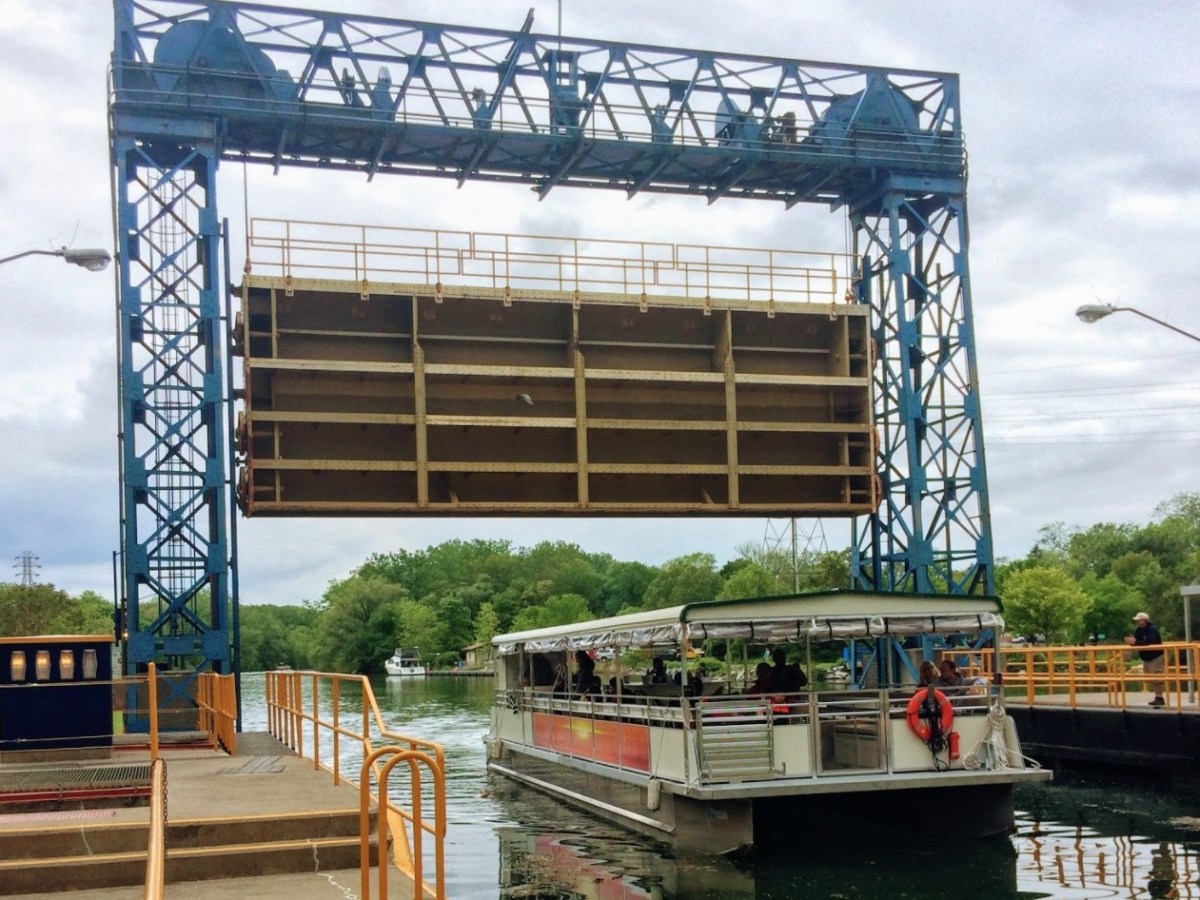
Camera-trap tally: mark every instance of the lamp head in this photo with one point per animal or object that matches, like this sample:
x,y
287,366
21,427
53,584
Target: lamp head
x,y
1094,312
92,259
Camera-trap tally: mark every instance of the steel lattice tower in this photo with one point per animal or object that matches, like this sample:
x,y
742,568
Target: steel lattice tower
x,y
197,82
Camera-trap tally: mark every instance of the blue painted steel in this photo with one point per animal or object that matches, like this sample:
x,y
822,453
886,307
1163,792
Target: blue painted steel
x,y
198,81
174,500
297,87
932,531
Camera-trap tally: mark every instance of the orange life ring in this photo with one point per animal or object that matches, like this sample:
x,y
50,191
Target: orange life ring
x,y
919,726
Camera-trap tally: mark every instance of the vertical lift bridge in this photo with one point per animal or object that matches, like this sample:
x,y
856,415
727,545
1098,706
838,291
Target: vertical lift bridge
x,y
198,82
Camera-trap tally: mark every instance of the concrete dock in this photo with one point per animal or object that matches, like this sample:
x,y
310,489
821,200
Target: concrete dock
x,y
262,824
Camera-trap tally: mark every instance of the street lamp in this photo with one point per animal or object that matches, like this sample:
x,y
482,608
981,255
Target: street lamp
x,y
94,260
1094,312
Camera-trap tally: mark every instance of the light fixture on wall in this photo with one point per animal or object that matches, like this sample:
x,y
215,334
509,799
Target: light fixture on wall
x,y
90,663
16,665
41,665
66,665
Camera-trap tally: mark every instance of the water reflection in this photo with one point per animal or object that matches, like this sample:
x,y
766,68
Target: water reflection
x,y
1073,840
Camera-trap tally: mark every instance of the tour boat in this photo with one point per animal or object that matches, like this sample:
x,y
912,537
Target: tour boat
x,y
405,661
720,769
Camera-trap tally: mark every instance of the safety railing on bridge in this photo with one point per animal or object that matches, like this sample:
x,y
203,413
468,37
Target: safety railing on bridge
x,y
376,255
314,713
1085,675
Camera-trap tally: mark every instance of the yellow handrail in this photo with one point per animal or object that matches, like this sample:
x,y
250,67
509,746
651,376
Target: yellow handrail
x,y
156,844
376,255
216,697
1044,671
288,717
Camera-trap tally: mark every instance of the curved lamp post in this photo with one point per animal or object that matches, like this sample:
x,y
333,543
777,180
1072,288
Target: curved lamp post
x,y
94,260
1094,312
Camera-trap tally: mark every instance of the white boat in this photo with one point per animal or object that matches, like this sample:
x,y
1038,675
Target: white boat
x,y
717,772
405,661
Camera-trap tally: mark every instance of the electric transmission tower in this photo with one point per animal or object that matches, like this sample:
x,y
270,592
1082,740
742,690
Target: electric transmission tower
x,y
802,539
28,565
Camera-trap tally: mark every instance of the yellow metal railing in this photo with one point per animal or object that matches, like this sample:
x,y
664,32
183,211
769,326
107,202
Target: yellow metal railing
x,y
1092,675
216,697
312,704
156,845
376,255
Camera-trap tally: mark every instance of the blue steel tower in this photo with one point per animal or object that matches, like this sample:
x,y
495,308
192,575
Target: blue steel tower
x,y
198,82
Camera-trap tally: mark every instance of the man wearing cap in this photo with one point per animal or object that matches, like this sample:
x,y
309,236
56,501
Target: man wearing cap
x,y
1146,635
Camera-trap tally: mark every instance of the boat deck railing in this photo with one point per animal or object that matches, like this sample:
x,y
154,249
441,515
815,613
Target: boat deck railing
x,y
737,737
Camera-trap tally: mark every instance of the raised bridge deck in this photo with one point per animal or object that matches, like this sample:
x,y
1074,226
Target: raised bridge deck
x,y
399,371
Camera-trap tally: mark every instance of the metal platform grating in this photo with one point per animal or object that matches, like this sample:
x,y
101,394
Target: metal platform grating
x,y
62,815
72,778
261,743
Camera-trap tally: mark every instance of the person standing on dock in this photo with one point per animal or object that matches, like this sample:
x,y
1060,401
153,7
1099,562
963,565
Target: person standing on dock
x,y
1153,661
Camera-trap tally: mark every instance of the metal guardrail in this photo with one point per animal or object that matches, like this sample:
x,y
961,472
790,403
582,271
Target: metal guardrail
x,y
216,697
1087,675
300,703
156,845
372,255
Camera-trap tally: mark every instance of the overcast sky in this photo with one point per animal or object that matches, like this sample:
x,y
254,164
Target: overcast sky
x,y
1082,138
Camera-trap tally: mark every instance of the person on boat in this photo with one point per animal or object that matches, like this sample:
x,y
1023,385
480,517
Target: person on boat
x,y
542,671
585,672
694,686
762,680
950,676
928,674
658,672
1146,636
786,678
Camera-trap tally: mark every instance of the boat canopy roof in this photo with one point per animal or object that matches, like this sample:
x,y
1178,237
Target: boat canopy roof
x,y
829,615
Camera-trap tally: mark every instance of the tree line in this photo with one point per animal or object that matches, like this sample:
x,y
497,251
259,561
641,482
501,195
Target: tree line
x,y
1073,586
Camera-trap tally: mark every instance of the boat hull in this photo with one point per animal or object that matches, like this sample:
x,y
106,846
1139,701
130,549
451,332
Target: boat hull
x,y
742,817
404,671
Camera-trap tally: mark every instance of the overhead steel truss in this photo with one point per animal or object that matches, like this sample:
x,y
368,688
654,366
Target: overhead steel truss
x,y
200,81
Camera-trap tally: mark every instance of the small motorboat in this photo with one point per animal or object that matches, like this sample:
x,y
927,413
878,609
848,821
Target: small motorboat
x,y
405,661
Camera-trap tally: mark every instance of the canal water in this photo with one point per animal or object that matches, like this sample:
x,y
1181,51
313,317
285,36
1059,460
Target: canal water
x,y
1074,839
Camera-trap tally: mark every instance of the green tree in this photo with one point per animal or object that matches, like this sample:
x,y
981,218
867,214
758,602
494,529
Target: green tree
x,y
1113,604
487,624
358,624
455,629
624,587
39,609
750,580
563,609
1045,600
685,579
417,626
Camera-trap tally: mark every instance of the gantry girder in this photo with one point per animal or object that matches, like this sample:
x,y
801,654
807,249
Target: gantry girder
x,y
295,87
200,81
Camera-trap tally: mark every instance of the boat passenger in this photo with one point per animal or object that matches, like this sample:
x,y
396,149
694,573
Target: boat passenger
x,y
658,672
694,687
762,680
929,674
786,678
585,673
542,671
950,676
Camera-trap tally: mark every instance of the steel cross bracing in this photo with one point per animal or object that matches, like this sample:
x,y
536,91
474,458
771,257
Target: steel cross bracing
x,y
297,87
174,500
198,81
932,532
